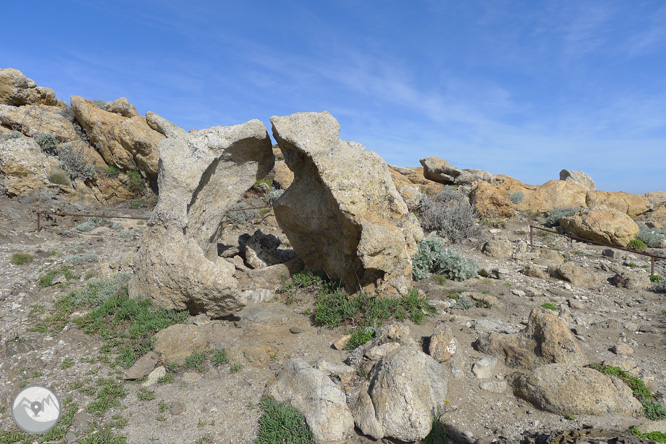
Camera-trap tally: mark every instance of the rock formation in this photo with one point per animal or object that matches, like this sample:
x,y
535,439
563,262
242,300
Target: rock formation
x,y
602,224
342,213
578,177
201,175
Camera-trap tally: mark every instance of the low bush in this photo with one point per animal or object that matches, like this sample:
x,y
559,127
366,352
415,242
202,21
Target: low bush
x,y
274,195
90,224
59,178
554,216
136,183
433,258
101,104
651,237
21,258
659,286
47,142
73,163
82,258
12,135
241,217
281,423
111,171
516,198
637,244
450,214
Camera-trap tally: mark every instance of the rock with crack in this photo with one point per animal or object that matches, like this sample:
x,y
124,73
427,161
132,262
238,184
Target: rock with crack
x,y
545,340
318,398
601,224
125,142
342,213
201,175
16,90
406,389
570,390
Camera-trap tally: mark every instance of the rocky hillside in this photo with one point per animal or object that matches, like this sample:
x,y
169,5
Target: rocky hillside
x,y
310,292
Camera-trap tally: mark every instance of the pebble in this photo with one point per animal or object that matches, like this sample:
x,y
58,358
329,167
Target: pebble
x,y
468,434
177,408
296,330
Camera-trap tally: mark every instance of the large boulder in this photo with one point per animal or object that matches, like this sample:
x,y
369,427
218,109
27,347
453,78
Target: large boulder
x,y
342,213
24,167
578,177
602,224
546,340
439,170
313,394
631,204
406,390
570,390
490,202
125,142
16,90
202,174
554,194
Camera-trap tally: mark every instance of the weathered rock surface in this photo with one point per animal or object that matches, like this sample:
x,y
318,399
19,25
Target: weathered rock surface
x,y
443,344
500,248
179,341
578,177
571,390
122,107
143,366
16,90
489,202
125,142
602,224
545,340
439,170
342,213
201,175
632,204
24,166
577,275
406,389
313,394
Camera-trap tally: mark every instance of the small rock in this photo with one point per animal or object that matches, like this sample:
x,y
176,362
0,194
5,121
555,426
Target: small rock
x,y
378,352
467,434
191,376
493,386
143,366
608,252
341,343
296,330
177,408
70,437
442,343
154,376
516,292
622,349
483,368
575,305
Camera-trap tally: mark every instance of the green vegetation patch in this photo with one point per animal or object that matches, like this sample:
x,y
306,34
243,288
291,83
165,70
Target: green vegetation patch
x,y
21,258
554,216
433,258
47,279
637,244
651,409
550,306
281,423
654,436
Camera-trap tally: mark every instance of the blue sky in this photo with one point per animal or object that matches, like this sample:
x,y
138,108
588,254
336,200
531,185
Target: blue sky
x,y
523,88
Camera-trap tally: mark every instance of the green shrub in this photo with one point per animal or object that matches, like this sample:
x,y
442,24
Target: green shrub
x,y
550,306
462,303
195,361
359,337
654,436
117,226
281,423
517,198
243,216
12,135
637,244
553,219
433,258
111,171
73,162
48,143
21,258
265,180
136,183
90,224
437,434
59,178
656,278
101,104
450,214
652,237
219,357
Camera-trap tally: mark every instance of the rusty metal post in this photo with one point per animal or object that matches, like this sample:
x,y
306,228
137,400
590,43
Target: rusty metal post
x,y
38,225
652,266
531,238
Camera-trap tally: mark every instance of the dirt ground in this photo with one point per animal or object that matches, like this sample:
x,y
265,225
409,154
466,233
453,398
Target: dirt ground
x,y
221,403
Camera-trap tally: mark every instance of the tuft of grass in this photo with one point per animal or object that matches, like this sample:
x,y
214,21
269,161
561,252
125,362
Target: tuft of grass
x,y
109,395
553,219
219,357
136,183
111,171
59,178
21,258
47,142
637,244
47,279
145,395
654,436
196,361
437,434
281,423
631,265
550,306
166,379
235,368
441,280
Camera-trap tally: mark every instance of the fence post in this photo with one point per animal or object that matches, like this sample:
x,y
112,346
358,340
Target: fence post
x,y
531,239
38,221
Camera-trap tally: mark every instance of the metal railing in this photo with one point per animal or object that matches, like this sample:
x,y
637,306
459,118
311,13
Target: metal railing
x,y
580,239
